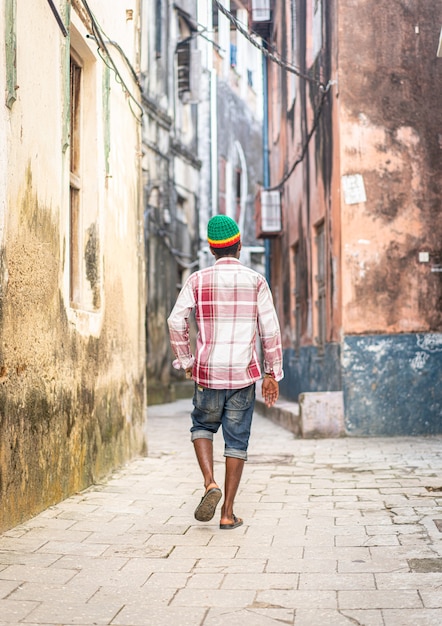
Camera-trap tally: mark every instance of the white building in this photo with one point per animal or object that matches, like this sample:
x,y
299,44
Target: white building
x,y
72,356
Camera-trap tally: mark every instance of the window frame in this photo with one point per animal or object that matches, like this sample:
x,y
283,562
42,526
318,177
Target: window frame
x,y
321,287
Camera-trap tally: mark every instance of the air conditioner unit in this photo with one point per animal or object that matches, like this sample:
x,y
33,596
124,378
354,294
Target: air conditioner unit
x,y
268,214
260,10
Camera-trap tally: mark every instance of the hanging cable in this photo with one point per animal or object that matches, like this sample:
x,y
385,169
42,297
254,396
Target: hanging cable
x,y
324,88
265,51
58,19
109,62
179,256
305,147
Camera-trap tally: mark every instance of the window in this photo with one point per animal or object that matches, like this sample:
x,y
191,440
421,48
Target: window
x,y
11,52
320,287
158,28
268,217
75,180
233,55
233,41
317,27
215,17
84,248
238,176
183,59
188,59
297,296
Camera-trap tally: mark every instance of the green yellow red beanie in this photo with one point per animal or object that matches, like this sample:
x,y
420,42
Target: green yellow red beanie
x,y
222,232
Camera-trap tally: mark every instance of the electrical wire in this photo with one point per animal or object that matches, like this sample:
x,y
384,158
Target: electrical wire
x,y
324,87
109,62
265,51
177,254
305,147
116,45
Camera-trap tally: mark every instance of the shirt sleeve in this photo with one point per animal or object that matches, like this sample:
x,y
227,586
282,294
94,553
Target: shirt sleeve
x,y
178,322
269,332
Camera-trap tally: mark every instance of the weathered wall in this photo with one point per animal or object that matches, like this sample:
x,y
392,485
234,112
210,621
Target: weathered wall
x,y
392,384
171,177
72,393
384,298
307,199
390,120
390,117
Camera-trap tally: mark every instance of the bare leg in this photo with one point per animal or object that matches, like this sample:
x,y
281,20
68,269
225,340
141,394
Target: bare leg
x,y
204,454
205,510
234,468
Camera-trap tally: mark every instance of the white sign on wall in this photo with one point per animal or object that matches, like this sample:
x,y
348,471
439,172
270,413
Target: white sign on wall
x,y
354,189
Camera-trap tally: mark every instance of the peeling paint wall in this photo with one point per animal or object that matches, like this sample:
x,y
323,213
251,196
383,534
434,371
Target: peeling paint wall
x,y
72,382
372,176
392,384
390,121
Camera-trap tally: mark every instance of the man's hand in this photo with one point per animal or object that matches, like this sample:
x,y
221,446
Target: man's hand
x,y
189,373
270,390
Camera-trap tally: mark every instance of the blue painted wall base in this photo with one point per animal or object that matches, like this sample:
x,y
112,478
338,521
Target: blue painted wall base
x,y
306,370
392,384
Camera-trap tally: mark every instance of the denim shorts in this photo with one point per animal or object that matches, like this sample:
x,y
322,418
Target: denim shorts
x,y
230,408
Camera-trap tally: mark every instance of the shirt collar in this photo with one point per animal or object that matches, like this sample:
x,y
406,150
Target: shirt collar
x,y
227,260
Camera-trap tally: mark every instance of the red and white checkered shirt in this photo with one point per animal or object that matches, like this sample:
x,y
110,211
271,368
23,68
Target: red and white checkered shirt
x,y
232,304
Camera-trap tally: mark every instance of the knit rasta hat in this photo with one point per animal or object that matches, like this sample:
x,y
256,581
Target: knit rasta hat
x,y
222,232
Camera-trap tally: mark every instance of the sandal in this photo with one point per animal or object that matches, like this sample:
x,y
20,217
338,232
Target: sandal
x,y
237,521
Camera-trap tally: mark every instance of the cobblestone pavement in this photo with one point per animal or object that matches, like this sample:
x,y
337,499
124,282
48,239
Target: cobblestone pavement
x,y
336,532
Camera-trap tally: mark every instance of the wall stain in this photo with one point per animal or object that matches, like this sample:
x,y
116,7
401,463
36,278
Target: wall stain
x,y
92,256
63,415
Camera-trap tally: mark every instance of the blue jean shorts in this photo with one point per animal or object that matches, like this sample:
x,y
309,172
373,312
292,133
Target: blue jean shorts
x,y
230,408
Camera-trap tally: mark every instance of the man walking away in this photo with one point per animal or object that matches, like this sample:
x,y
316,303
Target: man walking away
x,y
232,304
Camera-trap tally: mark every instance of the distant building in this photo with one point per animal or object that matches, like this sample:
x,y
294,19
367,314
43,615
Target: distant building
x,y
202,153
170,70
237,145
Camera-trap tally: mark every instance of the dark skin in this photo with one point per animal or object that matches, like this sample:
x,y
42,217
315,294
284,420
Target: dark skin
x,y
234,467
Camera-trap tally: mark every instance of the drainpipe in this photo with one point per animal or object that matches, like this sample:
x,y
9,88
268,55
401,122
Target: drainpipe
x,y
266,164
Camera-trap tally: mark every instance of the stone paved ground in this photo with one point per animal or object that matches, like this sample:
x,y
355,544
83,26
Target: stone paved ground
x,y
337,532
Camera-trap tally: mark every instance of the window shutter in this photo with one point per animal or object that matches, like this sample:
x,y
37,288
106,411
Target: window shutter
x,y
183,59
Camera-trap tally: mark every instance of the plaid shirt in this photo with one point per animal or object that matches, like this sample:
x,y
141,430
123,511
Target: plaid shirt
x,y
232,303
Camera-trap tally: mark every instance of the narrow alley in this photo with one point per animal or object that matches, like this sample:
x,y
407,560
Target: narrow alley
x,y
336,532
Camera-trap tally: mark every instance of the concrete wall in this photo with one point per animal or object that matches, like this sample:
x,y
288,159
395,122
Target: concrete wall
x,y
72,393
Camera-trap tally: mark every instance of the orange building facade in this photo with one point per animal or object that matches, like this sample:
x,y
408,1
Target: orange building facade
x,y
354,149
